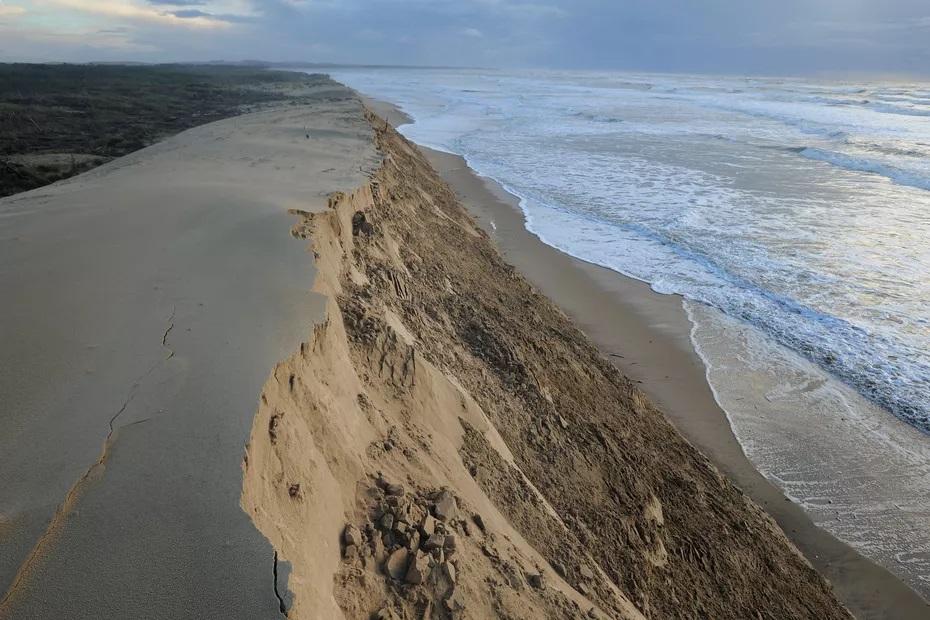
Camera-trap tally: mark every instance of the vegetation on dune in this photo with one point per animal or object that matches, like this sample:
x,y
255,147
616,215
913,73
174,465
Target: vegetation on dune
x,y
60,120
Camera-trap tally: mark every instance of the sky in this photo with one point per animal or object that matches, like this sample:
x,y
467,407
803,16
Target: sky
x,y
764,37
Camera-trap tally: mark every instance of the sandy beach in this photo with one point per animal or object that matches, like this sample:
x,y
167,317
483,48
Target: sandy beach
x,y
647,336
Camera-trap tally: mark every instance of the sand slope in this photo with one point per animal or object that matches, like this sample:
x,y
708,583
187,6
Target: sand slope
x,y
442,385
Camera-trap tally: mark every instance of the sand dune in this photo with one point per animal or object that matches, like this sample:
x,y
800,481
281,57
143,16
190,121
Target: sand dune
x,y
143,304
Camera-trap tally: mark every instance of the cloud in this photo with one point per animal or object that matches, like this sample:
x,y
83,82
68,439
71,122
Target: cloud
x,y
10,10
198,14
719,36
132,11
42,45
190,13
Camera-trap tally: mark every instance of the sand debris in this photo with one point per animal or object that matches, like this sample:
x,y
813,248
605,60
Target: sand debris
x,y
404,542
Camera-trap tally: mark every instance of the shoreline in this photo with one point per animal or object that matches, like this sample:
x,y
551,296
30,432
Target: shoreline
x,y
648,337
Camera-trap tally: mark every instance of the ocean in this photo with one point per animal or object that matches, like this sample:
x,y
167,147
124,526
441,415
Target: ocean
x,y
793,217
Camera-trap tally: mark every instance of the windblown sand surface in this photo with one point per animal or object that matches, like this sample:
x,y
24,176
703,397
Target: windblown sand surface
x,y
142,307
448,445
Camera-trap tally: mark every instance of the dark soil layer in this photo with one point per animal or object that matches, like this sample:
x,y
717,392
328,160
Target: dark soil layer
x,y
60,120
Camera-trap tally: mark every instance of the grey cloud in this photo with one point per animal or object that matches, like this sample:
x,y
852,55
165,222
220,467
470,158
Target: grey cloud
x,y
189,13
719,36
177,2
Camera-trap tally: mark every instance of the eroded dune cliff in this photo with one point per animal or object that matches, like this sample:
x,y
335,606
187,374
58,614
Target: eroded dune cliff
x,y
446,444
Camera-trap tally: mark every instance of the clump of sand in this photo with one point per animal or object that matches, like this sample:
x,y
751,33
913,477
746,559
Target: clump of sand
x,y
448,445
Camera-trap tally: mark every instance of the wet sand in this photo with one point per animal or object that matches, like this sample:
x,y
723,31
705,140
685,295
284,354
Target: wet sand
x,y
144,304
647,336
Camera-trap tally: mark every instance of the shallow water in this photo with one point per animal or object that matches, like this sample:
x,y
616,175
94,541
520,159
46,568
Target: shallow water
x,y
799,211
860,473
